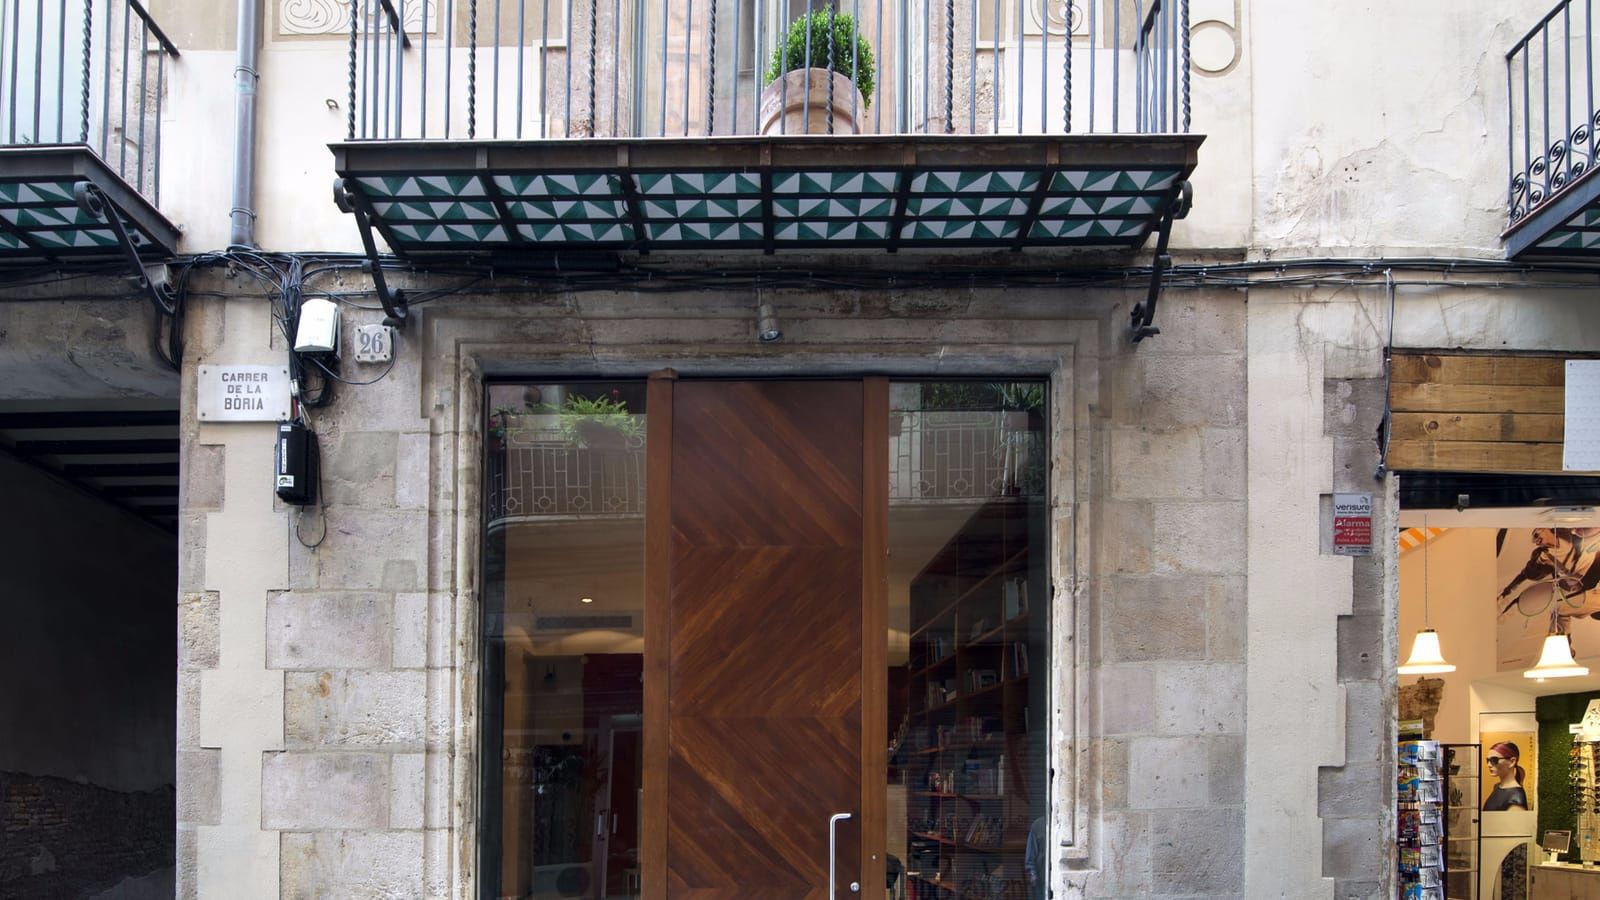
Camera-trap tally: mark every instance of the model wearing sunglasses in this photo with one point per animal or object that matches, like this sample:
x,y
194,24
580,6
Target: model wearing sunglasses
x,y
1508,793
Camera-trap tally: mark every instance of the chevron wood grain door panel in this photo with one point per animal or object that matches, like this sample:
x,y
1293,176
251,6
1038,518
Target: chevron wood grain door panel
x,y
764,657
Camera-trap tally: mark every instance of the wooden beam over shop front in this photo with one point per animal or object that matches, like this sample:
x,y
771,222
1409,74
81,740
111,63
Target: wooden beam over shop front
x,y
1517,427
1505,371
1474,456
1480,398
1477,413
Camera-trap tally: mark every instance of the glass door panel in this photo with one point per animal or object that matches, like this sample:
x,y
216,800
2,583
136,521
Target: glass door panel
x,y
563,639
968,641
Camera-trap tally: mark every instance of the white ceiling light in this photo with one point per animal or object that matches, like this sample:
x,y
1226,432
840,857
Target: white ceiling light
x,y
1556,661
1426,657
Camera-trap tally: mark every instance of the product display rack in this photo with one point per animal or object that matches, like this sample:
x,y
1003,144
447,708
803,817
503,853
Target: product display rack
x,y
1461,771
1420,821
1584,776
973,758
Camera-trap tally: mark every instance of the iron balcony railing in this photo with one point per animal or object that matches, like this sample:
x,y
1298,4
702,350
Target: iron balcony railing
x,y
86,72
1551,113
536,472
537,69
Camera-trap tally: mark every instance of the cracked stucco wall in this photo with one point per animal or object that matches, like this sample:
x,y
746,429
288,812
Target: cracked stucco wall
x,y
1379,128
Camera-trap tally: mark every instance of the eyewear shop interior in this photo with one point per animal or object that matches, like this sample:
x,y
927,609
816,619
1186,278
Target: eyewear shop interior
x,y
823,631
1498,788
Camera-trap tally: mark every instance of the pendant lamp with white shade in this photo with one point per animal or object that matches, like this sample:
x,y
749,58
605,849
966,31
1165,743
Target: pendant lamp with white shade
x,y
1426,656
1556,660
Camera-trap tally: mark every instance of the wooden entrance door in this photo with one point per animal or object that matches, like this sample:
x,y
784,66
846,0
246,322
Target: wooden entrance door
x,y
758,729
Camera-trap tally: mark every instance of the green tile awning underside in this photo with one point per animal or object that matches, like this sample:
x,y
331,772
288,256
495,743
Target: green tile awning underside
x,y
41,223
770,193
1575,236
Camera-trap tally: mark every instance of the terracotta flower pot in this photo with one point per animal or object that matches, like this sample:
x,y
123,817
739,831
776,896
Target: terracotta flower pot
x,y
784,109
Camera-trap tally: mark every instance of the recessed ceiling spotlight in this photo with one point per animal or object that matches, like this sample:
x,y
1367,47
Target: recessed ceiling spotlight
x,y
585,599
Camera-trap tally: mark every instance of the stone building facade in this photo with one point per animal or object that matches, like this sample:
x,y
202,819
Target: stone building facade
x,y
1223,718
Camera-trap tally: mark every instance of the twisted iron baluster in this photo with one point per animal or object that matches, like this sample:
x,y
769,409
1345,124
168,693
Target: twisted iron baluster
x,y
711,81
472,68
350,109
1066,77
1184,24
830,65
949,66
83,96
594,26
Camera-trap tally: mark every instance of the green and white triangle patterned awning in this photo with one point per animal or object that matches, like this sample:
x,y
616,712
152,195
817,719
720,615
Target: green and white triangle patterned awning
x,y
41,222
770,194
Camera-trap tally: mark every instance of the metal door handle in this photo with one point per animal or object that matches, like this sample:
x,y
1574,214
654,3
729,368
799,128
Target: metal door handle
x,y
833,851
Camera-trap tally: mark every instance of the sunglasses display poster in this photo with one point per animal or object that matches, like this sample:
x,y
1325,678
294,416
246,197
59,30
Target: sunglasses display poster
x,y
1547,580
1508,792
1506,832
1510,773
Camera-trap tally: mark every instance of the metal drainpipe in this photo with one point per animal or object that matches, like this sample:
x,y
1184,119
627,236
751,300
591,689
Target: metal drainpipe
x,y
246,77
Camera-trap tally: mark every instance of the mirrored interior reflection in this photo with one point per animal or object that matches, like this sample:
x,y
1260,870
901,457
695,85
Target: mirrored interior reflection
x,y
563,640
968,641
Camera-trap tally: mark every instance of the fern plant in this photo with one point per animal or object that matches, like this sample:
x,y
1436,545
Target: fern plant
x,y
585,419
825,28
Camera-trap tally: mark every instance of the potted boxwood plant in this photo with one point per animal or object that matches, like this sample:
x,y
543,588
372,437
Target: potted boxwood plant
x,y
801,60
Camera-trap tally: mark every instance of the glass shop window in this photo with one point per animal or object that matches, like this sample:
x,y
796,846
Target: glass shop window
x,y
563,638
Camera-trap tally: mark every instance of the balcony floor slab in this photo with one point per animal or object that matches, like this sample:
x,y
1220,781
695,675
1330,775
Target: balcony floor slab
x,y
770,193
40,222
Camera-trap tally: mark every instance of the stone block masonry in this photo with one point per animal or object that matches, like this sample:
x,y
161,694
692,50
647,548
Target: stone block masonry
x,y
329,695
1168,611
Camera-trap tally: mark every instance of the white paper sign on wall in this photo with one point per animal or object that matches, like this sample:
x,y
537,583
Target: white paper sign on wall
x,y
1580,445
242,393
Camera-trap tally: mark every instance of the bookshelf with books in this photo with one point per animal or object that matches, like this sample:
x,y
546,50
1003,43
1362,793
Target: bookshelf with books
x,y
973,760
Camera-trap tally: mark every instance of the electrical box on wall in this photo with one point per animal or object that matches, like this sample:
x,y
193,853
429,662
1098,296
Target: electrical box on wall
x,y
296,464
374,344
318,331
